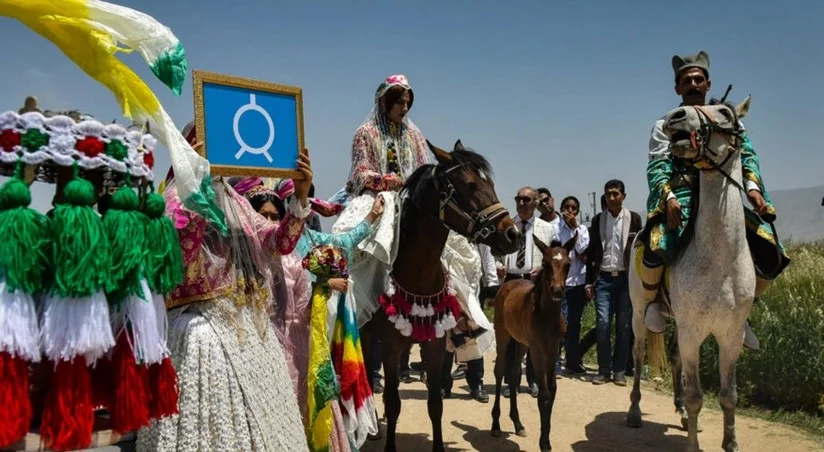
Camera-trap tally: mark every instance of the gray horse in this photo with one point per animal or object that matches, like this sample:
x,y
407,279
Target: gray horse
x,y
712,283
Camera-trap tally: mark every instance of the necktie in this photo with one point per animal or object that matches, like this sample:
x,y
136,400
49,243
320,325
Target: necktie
x,y
520,261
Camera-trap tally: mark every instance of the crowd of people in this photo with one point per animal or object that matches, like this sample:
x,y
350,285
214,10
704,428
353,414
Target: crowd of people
x,y
255,311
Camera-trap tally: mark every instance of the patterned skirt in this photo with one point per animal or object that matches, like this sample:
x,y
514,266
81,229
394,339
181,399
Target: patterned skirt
x,y
235,389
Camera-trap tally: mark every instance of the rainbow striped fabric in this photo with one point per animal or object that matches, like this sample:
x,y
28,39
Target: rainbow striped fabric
x,y
356,400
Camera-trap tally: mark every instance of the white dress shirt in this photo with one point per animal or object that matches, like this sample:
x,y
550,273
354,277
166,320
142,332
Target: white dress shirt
x,y
512,259
490,277
614,249
577,269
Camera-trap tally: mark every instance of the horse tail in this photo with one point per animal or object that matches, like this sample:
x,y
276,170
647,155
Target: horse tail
x,y
657,351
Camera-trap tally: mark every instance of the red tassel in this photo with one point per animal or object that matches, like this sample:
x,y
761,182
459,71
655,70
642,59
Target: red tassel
x,y
15,415
68,415
165,392
103,384
131,408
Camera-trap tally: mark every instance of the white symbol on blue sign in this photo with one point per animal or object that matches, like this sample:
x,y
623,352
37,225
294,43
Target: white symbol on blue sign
x,y
244,148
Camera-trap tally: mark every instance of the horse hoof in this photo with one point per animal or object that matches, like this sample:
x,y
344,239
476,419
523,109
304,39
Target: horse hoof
x,y
496,433
634,418
634,421
521,433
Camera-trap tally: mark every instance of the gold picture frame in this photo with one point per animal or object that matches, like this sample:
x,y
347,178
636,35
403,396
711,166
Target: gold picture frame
x,y
200,78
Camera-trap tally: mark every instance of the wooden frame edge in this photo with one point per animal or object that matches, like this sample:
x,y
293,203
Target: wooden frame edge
x,y
199,77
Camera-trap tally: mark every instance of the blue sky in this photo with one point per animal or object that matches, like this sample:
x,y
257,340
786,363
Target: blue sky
x,y
557,94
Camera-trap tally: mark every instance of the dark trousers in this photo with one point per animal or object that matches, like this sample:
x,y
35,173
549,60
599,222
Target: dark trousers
x,y
404,360
612,300
575,299
373,361
474,373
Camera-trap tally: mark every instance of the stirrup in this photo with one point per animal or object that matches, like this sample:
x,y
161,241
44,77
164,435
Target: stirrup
x,y
750,339
654,319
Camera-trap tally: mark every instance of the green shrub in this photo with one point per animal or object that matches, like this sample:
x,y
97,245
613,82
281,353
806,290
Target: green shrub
x,y
788,372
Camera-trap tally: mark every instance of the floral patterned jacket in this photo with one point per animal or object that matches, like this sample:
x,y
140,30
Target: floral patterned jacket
x,y
208,274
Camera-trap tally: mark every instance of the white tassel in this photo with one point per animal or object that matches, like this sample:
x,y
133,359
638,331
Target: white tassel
x,y
430,311
19,335
439,332
140,313
162,321
76,326
449,322
393,318
415,311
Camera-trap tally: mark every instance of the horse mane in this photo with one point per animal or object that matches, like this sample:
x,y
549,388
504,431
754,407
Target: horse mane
x,y
465,157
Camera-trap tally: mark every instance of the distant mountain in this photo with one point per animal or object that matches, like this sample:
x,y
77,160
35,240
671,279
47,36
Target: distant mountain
x,y
800,213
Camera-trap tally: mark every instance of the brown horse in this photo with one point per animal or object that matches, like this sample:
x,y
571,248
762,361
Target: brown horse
x,y
528,315
455,194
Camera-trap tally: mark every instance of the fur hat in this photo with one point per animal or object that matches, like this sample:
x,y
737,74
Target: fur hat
x,y
700,60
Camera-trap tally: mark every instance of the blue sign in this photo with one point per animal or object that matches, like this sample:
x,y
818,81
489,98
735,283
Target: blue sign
x,y
248,127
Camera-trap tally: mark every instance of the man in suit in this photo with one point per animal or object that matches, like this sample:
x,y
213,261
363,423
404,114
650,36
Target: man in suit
x,y
608,258
525,263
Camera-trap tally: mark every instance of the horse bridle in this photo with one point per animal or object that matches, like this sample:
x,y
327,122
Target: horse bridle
x,y
480,224
700,140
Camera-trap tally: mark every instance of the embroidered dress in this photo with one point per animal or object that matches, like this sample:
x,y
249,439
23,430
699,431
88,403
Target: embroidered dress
x,y
668,175
235,389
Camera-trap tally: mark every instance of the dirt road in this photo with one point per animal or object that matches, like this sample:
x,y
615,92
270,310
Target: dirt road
x,y
586,418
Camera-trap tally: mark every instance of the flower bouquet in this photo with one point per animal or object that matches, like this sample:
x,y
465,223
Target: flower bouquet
x,y
325,262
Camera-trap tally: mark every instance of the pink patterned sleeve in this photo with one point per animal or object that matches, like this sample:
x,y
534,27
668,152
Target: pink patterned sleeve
x,y
190,226
326,208
366,173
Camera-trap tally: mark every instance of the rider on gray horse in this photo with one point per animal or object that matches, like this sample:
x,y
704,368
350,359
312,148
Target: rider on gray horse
x,y
673,195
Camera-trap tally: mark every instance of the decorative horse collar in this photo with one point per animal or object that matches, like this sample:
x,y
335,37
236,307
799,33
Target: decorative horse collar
x,y
423,317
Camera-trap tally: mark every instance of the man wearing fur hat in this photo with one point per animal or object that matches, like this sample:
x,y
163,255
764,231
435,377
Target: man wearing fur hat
x,y
672,183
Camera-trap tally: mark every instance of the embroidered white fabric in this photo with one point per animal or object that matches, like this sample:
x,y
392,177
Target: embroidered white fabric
x,y
64,133
233,396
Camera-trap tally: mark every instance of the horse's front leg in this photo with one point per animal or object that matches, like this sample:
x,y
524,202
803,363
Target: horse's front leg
x,y
690,345
543,362
434,352
392,349
639,330
729,349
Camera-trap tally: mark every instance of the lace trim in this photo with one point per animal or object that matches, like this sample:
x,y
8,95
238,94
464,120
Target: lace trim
x,y
60,140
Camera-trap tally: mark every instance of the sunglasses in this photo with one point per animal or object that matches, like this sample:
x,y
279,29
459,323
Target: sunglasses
x,y
524,199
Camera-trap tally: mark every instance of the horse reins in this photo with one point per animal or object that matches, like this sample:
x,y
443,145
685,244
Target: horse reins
x,y
480,224
700,139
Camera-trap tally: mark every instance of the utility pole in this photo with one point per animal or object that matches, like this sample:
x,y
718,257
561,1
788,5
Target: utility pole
x,y
592,203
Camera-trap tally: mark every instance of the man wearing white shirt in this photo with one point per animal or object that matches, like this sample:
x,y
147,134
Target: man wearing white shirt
x,y
608,257
527,260
575,294
546,205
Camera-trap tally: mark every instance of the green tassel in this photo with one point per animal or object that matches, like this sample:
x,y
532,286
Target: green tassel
x,y
80,250
125,228
24,248
164,259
